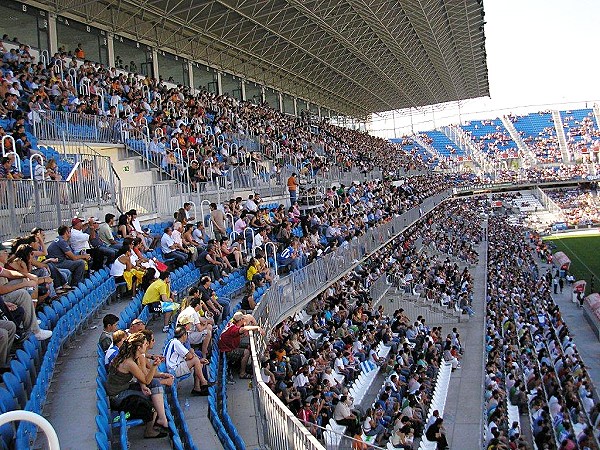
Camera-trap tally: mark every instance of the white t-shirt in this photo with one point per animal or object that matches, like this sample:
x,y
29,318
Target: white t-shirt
x,y
166,242
175,354
191,314
79,240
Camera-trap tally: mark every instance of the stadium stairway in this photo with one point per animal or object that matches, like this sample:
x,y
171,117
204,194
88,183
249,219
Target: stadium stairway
x,y
463,408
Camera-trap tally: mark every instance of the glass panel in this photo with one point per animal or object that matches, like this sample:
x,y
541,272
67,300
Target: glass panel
x,y
205,78
232,85
288,104
170,68
272,98
18,24
132,56
253,92
79,40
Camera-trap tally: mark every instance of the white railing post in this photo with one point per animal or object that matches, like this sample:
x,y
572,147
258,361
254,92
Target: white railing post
x,y
274,247
12,142
36,155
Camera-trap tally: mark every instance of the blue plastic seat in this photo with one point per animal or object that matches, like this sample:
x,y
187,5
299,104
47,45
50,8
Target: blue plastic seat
x,y
20,371
102,441
15,387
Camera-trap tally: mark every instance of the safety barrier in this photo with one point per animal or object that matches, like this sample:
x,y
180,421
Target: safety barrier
x,y
74,127
25,204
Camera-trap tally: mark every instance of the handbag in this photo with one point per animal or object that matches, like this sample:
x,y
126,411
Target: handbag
x,y
161,266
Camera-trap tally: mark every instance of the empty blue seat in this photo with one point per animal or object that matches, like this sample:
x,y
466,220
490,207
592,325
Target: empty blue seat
x,y
15,387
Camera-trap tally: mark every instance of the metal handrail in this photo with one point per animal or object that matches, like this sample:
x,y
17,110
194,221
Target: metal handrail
x,y
36,419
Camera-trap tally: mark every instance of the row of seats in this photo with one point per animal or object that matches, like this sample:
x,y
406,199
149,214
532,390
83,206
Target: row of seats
x,y
438,401
333,431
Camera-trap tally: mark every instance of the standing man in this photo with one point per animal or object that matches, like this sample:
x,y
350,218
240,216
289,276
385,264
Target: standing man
x,y
217,218
292,184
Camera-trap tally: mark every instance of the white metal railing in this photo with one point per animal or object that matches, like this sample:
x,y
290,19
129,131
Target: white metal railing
x,y
74,127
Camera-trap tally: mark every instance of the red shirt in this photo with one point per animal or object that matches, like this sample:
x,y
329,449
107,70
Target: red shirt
x,y
230,338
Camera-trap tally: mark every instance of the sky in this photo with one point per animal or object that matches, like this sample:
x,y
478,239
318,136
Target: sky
x,y
539,53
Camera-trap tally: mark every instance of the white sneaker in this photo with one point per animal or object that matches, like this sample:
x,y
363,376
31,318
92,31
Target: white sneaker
x,y
42,335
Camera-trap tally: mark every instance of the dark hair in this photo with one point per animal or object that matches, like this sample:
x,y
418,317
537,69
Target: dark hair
x,y
148,278
62,230
108,217
109,319
164,275
204,279
179,332
195,302
194,290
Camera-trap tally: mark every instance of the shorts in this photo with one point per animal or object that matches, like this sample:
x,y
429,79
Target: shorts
x,y
196,337
235,356
182,369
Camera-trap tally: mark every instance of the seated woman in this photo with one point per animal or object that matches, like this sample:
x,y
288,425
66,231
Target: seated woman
x,y
143,398
123,270
233,253
23,262
60,277
139,260
248,303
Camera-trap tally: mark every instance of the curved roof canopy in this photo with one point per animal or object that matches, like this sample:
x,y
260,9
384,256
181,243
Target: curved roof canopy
x,y
354,56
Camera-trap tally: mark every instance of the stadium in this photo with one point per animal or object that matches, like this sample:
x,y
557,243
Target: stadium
x,y
288,224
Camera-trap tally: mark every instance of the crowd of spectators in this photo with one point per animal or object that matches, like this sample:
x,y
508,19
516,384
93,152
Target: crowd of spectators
x,y
531,359
312,358
578,206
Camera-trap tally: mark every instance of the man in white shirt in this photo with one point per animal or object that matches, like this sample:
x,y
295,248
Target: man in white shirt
x,y
181,361
250,205
170,249
80,240
147,240
201,327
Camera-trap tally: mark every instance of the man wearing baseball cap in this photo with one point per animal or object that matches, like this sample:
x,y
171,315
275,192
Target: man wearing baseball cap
x,y
231,339
80,240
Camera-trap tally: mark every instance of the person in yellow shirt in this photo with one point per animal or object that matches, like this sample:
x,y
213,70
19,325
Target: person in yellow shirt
x,y
160,299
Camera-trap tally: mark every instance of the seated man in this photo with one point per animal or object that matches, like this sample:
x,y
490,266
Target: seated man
x,y
289,257
201,327
181,361
14,294
109,322
157,293
67,259
209,297
171,249
80,240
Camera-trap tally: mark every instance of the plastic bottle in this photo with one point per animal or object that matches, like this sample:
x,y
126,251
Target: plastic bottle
x,y
186,405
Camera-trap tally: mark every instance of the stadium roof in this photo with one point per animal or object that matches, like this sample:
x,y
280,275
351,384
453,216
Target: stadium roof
x,y
353,56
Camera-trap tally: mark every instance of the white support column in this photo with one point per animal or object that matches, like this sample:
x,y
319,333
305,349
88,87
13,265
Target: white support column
x,y
155,63
191,74
295,107
280,101
319,111
110,44
219,83
243,89
52,36
262,94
